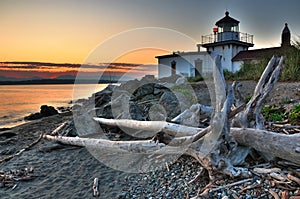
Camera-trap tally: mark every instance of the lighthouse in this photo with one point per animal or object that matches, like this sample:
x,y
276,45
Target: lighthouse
x,y
227,41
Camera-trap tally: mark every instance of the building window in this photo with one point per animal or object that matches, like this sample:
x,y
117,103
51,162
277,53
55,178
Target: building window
x,y
198,67
173,67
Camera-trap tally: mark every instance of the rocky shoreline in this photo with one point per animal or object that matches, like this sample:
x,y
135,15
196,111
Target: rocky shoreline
x,y
68,172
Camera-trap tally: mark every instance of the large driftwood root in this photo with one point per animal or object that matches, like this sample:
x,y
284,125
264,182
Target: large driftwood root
x,y
220,148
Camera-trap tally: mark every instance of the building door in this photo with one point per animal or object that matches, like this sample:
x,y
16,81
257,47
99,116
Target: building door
x,y
173,67
198,67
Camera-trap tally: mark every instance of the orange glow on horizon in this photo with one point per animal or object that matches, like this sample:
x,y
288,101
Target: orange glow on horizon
x,y
142,56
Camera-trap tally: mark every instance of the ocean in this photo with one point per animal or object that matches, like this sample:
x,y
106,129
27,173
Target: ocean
x,y
17,101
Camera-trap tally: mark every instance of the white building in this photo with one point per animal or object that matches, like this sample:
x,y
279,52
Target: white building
x,y
226,41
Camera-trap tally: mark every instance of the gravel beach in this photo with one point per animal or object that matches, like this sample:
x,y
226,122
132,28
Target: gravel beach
x,y
68,172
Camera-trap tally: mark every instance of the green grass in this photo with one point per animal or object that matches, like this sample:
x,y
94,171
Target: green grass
x,y
187,91
252,70
195,79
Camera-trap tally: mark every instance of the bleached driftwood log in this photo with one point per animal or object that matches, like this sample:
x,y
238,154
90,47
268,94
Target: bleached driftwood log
x,y
279,145
193,115
150,128
146,146
96,192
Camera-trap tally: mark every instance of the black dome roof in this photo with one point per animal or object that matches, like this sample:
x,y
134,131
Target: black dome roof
x,y
227,20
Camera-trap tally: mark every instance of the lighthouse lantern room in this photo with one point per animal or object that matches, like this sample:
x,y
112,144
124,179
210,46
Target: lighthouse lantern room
x,y
227,41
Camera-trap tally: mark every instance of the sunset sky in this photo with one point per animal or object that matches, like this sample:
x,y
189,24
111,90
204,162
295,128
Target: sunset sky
x,y
69,31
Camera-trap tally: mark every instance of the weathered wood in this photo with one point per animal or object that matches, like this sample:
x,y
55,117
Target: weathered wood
x,y
252,117
279,145
146,147
21,151
219,148
193,115
285,147
96,192
59,128
150,128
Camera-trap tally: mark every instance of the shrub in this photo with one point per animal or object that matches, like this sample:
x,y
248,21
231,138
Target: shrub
x,y
276,117
247,99
273,114
197,78
294,116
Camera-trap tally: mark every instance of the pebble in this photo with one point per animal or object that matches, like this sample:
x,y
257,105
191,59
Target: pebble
x,y
173,184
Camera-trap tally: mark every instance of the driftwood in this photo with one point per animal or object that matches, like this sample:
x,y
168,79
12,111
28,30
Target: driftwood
x,y
220,148
96,192
21,151
252,116
150,128
279,145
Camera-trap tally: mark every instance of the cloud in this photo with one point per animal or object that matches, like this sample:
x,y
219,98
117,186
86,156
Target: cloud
x,y
53,70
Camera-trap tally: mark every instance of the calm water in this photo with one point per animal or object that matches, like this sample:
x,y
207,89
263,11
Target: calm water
x,y
17,101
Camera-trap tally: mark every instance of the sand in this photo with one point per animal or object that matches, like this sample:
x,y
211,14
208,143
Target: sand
x,y
63,173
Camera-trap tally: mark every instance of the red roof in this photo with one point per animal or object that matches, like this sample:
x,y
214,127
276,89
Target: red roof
x,y
260,53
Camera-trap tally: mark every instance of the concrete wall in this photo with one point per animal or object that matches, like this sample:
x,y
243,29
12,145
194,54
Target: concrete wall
x,y
228,52
185,64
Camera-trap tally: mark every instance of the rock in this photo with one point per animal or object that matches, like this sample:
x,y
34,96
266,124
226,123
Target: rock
x,y
102,99
170,79
180,80
170,103
4,129
48,111
44,112
159,89
184,102
63,109
123,108
135,111
129,86
144,90
108,90
157,113
33,116
148,79
104,96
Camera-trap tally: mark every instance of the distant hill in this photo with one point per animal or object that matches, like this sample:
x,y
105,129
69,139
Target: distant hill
x,y
66,79
3,78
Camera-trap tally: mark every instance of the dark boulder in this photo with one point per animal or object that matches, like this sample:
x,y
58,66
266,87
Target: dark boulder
x,y
33,116
48,111
44,112
171,104
144,90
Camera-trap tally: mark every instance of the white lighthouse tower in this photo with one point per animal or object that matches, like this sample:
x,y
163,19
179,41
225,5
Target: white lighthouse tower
x,y
227,41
